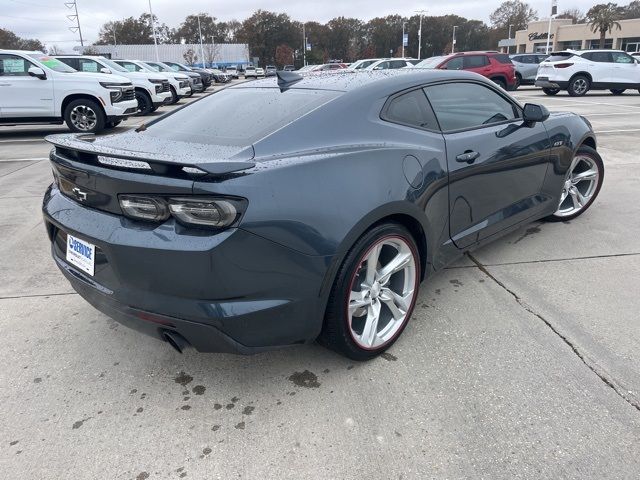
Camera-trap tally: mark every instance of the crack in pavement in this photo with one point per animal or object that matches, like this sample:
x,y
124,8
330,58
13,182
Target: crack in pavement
x,y
550,260
602,376
36,295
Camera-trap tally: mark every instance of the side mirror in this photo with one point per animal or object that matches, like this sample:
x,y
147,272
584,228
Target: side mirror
x,y
37,72
105,70
534,113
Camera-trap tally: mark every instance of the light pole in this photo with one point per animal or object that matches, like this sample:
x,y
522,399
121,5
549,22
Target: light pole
x,y
403,24
453,39
421,13
554,12
304,46
201,48
153,28
509,46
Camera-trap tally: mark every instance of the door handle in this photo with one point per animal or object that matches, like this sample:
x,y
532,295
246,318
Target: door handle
x,y
467,157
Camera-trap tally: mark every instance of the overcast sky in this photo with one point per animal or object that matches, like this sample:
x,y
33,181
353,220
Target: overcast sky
x,y
46,19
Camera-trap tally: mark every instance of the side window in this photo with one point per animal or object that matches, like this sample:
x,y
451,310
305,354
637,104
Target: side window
x,y
398,64
132,67
72,62
454,64
600,57
475,61
14,66
410,109
619,57
382,66
86,65
468,105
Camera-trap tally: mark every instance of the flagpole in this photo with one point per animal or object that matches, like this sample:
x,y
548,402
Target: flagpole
x,y
554,11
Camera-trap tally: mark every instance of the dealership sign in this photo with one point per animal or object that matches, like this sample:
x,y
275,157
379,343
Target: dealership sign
x,y
539,36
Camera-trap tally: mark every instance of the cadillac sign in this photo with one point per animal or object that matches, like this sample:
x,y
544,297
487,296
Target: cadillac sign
x,y
539,36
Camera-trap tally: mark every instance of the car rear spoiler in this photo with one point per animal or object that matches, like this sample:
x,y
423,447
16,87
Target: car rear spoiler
x,y
159,163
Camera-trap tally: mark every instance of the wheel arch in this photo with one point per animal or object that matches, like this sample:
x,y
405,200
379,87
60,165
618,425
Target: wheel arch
x,y
406,214
79,96
581,73
589,141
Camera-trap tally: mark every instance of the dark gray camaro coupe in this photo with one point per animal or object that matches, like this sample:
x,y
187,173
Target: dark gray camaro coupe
x,y
296,208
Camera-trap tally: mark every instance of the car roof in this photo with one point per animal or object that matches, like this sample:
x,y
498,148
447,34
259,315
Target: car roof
x,y
23,52
384,82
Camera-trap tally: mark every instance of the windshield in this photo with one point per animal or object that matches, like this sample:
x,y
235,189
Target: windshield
x,y
159,67
362,64
432,62
113,65
150,66
52,63
264,110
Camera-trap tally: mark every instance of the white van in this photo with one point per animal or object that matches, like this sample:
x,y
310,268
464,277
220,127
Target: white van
x,y
37,88
152,90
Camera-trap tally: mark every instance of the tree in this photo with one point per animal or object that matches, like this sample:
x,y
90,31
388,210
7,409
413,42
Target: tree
x,y
284,55
11,41
574,14
602,18
211,52
264,31
631,11
190,56
188,31
132,31
513,12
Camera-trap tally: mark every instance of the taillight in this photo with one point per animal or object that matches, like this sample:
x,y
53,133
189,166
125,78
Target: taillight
x,y
563,65
194,211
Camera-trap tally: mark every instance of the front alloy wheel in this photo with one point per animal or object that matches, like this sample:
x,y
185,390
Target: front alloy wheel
x,y
374,294
581,185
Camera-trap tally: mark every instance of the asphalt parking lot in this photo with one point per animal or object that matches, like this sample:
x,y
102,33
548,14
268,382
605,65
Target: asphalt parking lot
x,y
521,361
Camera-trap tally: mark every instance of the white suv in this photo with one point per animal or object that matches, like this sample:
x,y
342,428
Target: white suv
x,y
152,90
37,88
178,82
577,72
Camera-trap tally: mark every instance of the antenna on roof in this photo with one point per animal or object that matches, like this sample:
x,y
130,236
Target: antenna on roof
x,y
286,79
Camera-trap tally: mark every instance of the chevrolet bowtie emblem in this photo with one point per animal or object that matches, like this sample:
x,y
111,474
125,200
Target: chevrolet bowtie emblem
x,y
79,194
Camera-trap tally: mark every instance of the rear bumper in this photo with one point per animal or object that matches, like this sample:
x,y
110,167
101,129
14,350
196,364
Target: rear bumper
x,y
555,85
231,291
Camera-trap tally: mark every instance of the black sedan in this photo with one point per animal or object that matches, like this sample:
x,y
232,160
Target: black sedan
x,y
243,231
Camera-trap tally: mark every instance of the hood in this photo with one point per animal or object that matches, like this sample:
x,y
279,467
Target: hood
x,y
158,152
143,75
101,77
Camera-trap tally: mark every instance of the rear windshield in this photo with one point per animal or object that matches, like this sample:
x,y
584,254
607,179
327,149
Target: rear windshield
x,y
238,117
558,57
502,58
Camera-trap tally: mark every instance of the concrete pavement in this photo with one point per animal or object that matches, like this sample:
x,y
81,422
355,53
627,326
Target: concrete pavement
x,y
519,362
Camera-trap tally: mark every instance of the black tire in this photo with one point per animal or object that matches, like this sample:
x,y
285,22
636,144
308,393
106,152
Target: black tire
x,y
551,91
579,86
336,333
154,108
88,106
617,91
113,124
144,103
501,83
595,156
518,81
174,96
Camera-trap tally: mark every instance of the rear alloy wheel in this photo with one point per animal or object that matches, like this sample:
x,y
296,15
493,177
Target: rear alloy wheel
x,y
551,91
617,91
84,116
374,293
578,86
581,185
144,103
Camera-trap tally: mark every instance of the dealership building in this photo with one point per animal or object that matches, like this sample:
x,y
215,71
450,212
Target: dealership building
x,y
218,55
566,35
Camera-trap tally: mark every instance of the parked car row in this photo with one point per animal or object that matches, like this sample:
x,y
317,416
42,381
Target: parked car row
x,y
92,93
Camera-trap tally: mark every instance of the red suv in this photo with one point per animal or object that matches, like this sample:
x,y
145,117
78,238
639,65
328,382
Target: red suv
x,y
493,65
